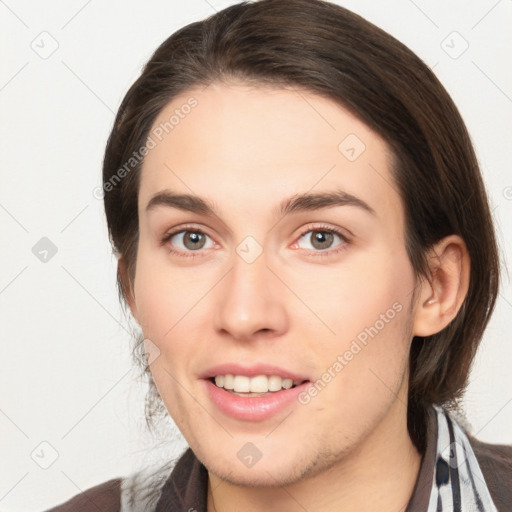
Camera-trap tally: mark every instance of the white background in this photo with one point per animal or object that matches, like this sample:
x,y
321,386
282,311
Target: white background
x,y
66,377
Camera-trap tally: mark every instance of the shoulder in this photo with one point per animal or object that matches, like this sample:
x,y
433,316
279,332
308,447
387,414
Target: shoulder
x,y
495,461
105,497
136,492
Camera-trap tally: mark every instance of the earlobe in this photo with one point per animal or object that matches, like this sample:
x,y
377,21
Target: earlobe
x,y
441,296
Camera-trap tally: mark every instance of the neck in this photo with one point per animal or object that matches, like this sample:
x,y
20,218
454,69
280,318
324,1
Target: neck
x,y
379,474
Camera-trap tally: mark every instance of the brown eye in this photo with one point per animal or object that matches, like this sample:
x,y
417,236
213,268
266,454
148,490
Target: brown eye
x,y
193,240
321,239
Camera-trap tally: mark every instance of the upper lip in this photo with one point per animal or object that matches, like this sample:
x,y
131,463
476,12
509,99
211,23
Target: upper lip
x,y
251,371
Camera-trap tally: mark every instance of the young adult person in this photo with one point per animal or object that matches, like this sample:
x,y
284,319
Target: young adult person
x,y
305,241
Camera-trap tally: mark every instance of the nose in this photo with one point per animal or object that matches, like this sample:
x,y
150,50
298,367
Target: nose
x,y
250,301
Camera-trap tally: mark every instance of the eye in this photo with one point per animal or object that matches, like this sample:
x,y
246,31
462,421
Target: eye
x,y
321,239
186,241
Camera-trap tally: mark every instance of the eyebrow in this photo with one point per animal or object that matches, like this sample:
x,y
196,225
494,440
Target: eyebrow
x,y
296,203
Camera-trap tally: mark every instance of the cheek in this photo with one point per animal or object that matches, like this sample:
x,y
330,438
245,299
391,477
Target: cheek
x,y
163,296
367,310
172,312
165,305
370,290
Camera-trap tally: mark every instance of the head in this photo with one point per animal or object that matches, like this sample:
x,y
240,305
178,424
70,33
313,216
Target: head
x,y
249,109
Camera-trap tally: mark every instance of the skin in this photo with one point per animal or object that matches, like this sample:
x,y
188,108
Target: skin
x,y
247,149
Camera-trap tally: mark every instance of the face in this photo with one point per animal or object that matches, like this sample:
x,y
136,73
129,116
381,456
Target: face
x,y
270,284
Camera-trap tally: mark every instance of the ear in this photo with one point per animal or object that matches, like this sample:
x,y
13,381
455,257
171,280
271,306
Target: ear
x,y
441,297
122,272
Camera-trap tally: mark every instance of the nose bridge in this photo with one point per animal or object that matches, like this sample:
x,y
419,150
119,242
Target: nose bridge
x,y
250,298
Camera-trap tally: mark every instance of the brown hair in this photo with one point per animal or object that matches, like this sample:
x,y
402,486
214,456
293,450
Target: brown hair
x,y
323,48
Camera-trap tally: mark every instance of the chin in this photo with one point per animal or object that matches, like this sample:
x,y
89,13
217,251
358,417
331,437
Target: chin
x,y
268,475
276,469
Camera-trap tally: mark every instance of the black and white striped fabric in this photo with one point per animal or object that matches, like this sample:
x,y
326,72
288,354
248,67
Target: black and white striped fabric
x,y
458,483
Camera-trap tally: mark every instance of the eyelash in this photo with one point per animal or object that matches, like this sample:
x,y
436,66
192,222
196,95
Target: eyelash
x,y
320,253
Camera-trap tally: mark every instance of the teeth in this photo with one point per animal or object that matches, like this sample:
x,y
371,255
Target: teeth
x,y
241,384
228,382
258,384
275,383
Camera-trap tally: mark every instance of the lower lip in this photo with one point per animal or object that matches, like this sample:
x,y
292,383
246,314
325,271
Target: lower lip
x,y
252,408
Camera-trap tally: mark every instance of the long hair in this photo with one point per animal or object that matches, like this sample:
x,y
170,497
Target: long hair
x,y
328,50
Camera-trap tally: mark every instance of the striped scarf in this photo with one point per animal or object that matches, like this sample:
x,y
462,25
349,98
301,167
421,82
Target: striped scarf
x,y
458,483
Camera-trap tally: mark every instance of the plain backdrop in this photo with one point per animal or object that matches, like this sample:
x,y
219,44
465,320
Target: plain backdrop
x,y
71,406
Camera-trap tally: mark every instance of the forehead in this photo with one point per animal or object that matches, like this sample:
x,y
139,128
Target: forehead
x,y
243,145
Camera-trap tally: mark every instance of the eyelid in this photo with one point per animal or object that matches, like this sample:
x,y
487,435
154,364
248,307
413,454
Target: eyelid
x,y
326,227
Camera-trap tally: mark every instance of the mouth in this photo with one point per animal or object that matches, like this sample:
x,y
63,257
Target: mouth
x,y
255,398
